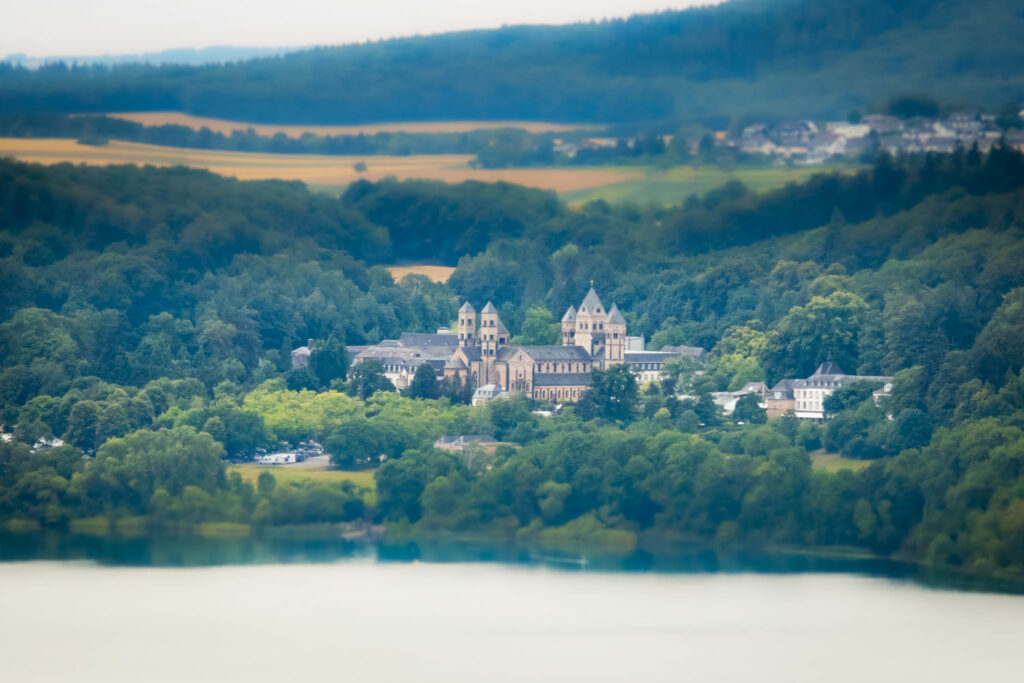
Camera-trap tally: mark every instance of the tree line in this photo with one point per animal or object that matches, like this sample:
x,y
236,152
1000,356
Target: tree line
x,y
707,64
150,313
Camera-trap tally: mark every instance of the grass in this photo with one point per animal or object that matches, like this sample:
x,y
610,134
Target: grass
x,y
833,462
323,172
162,118
674,185
284,474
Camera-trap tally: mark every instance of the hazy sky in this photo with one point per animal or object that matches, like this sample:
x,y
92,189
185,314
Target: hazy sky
x,y
95,27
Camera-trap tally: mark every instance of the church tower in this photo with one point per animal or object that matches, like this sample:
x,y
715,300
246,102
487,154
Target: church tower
x,y
569,327
590,323
467,325
493,333
614,337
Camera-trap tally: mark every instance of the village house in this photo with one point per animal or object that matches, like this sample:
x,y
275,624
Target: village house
x,y
806,397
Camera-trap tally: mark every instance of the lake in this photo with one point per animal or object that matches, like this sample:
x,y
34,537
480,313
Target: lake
x,y
179,609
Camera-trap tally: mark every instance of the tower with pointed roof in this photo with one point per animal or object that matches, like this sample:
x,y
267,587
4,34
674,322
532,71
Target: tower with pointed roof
x,y
590,324
493,334
569,327
614,337
467,325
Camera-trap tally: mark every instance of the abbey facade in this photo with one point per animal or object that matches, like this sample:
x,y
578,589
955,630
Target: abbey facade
x,y
592,338
480,351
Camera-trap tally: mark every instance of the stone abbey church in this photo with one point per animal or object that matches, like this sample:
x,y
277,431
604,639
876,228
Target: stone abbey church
x,y
480,351
592,338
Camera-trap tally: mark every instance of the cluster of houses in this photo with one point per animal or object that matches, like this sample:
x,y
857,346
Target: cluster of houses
x,y
804,398
805,142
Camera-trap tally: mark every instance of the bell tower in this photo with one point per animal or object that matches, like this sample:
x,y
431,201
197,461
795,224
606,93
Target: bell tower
x,y
614,337
569,327
467,325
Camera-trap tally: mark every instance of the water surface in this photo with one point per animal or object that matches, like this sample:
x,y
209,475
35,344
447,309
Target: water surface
x,y
366,615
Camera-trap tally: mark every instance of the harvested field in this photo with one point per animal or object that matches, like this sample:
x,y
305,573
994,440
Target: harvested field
x,y
162,118
322,171
435,273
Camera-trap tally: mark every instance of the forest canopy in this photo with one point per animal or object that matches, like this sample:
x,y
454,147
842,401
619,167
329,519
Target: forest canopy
x,y
755,58
149,315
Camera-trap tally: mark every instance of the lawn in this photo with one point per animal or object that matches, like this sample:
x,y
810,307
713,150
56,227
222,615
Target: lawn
x,y
674,185
833,462
285,473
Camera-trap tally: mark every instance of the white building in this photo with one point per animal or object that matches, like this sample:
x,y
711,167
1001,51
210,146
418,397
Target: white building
x,y
488,392
809,394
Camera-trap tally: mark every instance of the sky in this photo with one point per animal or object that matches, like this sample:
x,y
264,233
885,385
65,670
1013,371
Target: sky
x,y
42,28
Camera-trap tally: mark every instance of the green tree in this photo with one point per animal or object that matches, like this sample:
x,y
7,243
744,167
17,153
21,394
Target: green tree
x,y
424,383
749,411
329,360
613,394
367,378
355,444
539,328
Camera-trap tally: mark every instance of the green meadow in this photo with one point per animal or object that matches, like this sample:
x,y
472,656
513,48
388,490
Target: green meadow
x,y
673,185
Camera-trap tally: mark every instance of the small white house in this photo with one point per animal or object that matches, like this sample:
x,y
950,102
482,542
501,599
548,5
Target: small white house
x,y
488,392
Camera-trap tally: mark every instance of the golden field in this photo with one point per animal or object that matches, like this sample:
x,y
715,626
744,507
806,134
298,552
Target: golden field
x,y
163,118
435,273
319,170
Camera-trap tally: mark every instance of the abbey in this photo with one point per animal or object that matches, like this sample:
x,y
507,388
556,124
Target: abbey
x,y
592,338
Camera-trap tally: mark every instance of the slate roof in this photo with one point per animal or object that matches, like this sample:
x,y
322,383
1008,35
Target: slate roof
x,y
784,387
561,379
489,308
614,317
472,352
556,352
455,363
570,315
695,352
425,339
829,367
467,308
591,302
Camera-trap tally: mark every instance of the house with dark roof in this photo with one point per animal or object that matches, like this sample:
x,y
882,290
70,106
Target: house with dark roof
x,y
809,394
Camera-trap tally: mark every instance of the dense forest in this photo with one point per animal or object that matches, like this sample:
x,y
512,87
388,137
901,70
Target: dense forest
x,y
741,58
149,313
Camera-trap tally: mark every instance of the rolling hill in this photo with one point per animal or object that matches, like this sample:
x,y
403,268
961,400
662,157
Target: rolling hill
x,y
772,58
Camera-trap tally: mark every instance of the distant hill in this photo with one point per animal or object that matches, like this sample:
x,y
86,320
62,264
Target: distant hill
x,y
216,54
768,58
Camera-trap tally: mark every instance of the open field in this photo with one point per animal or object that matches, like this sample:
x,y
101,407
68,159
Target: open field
x,y
321,171
163,118
435,273
833,462
674,185
288,473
